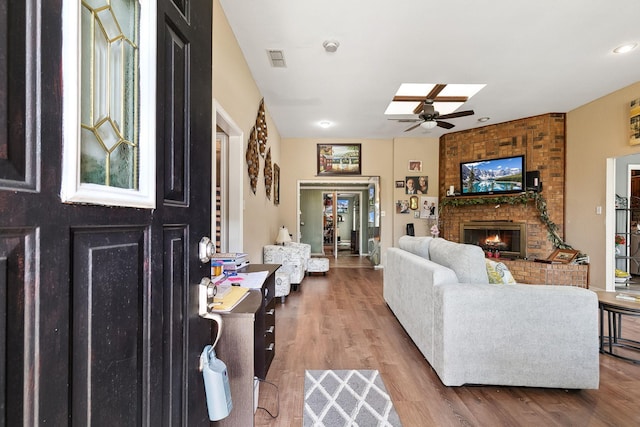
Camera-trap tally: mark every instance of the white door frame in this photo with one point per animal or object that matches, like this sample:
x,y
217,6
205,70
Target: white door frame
x,y
234,233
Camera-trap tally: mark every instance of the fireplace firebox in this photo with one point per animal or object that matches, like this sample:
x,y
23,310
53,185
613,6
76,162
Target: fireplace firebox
x,y
506,238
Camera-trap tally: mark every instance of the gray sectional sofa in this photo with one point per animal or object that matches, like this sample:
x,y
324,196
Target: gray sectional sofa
x,y
474,332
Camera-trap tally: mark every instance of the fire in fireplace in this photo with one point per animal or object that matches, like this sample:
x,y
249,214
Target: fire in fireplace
x,y
504,238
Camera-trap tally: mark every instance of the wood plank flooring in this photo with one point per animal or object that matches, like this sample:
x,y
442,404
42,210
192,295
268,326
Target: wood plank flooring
x,y
340,321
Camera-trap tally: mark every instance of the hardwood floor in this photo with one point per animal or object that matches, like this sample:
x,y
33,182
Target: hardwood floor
x,y
340,321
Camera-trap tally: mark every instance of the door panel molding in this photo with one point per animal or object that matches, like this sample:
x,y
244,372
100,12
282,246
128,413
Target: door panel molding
x,y
19,96
176,116
175,311
110,321
19,352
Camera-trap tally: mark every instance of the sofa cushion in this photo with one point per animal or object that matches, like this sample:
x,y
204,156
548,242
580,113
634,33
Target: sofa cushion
x,y
467,261
499,273
415,245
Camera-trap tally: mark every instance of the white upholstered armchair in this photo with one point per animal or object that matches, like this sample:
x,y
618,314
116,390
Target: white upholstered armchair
x,y
291,257
304,249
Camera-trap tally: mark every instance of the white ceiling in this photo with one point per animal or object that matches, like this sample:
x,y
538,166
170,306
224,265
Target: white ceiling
x,y
535,57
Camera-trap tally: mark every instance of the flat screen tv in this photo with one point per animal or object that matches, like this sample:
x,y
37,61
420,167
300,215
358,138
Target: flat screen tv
x,y
494,176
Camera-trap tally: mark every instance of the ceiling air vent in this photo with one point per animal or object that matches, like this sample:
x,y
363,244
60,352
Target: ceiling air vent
x,y
277,58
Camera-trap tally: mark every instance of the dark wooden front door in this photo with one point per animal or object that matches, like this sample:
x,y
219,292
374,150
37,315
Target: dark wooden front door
x,y
98,305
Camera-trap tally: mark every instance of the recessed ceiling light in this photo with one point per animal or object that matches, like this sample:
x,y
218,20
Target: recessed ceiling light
x,y
325,124
625,48
484,119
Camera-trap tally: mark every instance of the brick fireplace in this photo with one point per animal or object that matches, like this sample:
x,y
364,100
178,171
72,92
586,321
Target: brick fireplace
x,y
541,139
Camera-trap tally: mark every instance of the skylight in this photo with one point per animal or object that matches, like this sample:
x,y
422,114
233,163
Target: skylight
x,y
447,99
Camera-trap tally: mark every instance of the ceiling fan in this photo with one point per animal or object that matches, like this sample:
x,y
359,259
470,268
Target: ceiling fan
x,y
428,117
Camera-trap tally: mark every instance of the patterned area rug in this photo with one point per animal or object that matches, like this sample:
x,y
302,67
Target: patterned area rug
x,y
347,398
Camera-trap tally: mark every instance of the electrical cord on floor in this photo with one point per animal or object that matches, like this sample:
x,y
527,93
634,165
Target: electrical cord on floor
x,y
277,400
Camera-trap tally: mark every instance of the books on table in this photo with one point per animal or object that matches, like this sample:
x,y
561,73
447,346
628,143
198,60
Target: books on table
x,y
230,256
231,261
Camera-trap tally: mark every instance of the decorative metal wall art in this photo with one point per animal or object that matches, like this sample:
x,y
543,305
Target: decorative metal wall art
x,y
276,184
253,160
268,174
261,129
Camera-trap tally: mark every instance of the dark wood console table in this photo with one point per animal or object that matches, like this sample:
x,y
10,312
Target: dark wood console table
x,y
247,345
265,333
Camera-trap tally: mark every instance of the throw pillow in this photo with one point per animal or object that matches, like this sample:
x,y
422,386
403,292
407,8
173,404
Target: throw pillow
x,y
499,273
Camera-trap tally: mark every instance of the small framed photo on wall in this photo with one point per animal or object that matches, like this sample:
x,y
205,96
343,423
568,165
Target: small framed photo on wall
x,y
399,184
428,207
402,207
415,165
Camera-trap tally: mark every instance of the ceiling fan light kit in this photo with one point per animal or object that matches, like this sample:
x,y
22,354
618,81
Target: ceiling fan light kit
x,y
430,124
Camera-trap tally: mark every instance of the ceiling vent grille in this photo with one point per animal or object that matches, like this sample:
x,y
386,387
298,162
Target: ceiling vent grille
x,y
276,57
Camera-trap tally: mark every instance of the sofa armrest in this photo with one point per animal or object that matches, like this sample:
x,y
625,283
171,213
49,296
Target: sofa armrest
x,y
522,335
408,291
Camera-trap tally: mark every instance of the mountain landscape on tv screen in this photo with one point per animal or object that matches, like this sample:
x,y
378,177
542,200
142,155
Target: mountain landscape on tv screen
x,y
491,176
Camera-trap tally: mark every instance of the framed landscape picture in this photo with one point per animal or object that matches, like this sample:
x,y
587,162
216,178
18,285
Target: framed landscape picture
x,y
339,159
563,256
634,122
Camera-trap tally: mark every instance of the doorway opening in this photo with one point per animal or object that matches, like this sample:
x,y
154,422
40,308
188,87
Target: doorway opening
x,y
340,217
341,223
622,266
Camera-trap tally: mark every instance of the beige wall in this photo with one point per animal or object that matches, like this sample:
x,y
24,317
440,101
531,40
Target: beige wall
x,y
236,92
425,150
595,131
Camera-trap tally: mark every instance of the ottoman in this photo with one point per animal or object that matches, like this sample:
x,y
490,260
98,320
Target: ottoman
x,y
318,265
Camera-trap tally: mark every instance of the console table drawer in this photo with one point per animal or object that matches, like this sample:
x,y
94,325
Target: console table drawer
x,y
269,333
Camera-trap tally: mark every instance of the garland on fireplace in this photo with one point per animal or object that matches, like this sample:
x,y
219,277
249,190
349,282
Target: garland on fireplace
x,y
523,199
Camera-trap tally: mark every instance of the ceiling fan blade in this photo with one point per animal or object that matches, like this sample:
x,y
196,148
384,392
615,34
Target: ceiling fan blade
x,y
457,114
445,125
413,127
405,120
